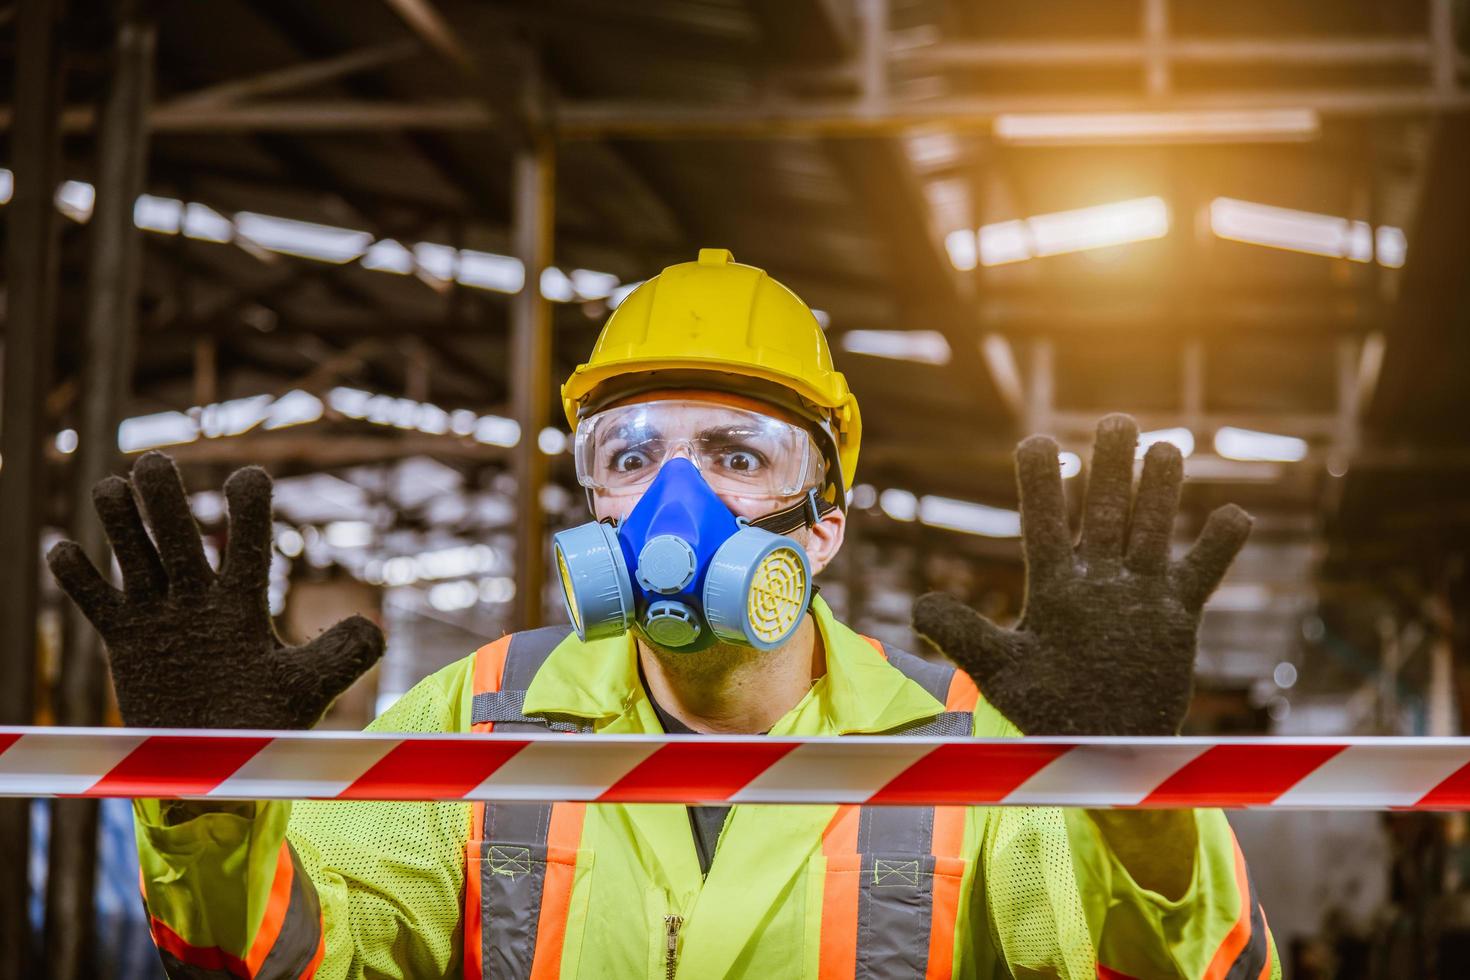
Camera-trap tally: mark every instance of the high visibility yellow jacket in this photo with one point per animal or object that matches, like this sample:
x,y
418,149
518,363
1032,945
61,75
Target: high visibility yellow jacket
x,y
424,890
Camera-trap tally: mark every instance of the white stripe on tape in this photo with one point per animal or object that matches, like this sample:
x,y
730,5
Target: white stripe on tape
x,y
826,772
563,769
1376,776
312,768
1103,775
52,762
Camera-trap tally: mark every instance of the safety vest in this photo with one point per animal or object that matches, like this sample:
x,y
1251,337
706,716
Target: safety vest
x,y
521,857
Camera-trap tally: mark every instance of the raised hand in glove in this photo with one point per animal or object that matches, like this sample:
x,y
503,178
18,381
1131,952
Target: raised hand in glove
x,y
1106,641
190,648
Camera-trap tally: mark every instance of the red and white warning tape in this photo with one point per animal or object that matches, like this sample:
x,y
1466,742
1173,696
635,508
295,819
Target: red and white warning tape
x,y
1357,773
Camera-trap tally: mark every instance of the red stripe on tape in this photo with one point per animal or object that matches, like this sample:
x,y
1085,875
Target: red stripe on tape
x,y
416,770
1240,775
707,772
1453,791
968,773
173,765
7,739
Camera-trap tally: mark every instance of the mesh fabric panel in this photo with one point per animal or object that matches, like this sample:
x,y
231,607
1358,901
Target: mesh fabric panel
x,y
1031,887
390,875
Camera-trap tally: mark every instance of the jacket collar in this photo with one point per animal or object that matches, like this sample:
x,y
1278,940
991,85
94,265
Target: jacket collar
x,y
861,692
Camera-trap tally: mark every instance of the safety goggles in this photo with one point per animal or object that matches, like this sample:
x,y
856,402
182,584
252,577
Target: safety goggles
x,y
737,451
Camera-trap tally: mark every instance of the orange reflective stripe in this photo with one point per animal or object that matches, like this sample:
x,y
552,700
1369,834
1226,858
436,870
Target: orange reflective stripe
x,y
473,902
489,666
204,957
840,896
949,869
562,838
1240,934
1265,973
876,645
963,694
275,912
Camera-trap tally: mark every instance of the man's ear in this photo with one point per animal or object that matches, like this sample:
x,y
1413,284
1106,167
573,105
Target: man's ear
x,y
824,538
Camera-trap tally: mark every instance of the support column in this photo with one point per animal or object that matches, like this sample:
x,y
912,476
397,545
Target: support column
x,y
31,271
114,268
530,368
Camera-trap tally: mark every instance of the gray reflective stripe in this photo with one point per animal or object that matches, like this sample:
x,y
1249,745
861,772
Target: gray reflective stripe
x,y
176,969
895,891
951,724
1252,959
504,709
301,930
932,677
513,849
295,945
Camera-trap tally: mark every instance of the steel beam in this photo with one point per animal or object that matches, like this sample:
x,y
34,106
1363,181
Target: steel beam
x,y
114,270
300,76
1126,52
530,369
31,276
846,117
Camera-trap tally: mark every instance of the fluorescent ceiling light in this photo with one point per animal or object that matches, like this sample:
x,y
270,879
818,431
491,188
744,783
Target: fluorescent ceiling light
x,y
75,198
206,224
1213,469
160,214
349,534
486,270
1393,245
7,185
1305,231
495,430
1179,436
962,248
388,255
823,318
295,407
899,504
591,284
151,431
556,285
307,239
435,260
924,346
1071,464
1245,444
1060,232
66,441
971,518
1083,128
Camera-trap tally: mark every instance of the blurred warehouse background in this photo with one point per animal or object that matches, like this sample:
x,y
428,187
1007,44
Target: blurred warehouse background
x,y
360,242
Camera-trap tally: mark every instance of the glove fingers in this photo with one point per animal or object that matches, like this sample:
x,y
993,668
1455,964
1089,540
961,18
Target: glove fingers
x,y
1200,571
329,664
143,574
1109,487
179,544
980,648
247,559
1154,510
79,578
1044,535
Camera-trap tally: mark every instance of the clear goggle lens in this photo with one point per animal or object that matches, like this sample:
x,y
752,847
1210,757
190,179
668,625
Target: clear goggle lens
x,y
736,450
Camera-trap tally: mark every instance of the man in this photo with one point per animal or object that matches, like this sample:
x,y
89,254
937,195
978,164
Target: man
x,y
708,413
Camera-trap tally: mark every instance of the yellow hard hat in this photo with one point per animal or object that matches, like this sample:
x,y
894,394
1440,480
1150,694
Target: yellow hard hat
x,y
715,323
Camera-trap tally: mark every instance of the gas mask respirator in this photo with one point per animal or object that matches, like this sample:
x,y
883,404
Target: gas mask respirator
x,y
683,571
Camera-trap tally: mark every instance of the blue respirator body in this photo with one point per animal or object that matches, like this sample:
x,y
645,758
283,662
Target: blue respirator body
x,y
683,570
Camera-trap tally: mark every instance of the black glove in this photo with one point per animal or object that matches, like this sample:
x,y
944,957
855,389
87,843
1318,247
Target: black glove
x,y
1106,641
192,649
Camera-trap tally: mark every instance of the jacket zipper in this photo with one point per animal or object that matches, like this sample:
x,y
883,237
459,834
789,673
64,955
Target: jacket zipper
x,y
671,951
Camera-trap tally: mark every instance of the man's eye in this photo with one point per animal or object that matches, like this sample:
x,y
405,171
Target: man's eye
x,y
742,461
630,461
